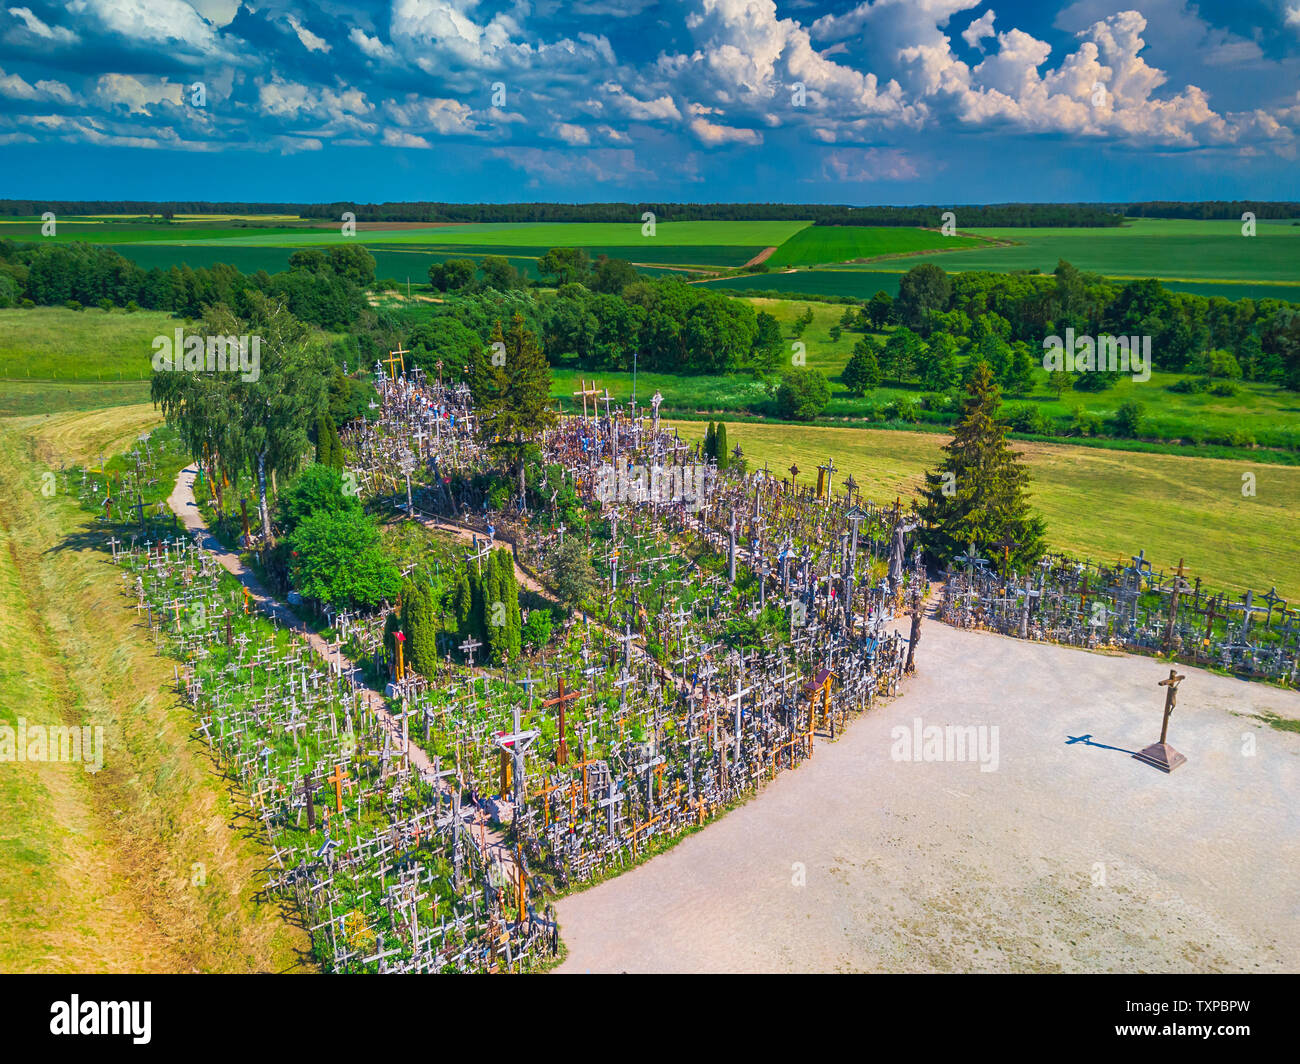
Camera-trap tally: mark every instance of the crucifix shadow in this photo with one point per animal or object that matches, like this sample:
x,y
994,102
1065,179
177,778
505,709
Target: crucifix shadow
x,y
1087,741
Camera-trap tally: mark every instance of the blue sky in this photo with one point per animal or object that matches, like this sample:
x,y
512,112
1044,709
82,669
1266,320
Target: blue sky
x,y
885,101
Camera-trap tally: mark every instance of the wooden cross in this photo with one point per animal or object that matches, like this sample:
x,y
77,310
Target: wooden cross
x,y
1211,614
1084,594
1008,545
1245,607
582,763
544,793
638,828
737,697
1180,585
311,805
562,749
337,779
517,744
584,392
826,471
522,886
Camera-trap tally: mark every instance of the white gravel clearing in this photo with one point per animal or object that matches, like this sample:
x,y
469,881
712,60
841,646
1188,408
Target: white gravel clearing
x,y
1072,858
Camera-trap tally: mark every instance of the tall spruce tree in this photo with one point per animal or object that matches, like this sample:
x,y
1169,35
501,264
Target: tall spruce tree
x,y
710,441
720,451
980,491
517,404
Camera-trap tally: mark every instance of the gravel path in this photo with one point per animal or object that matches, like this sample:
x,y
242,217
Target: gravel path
x,y
488,838
1068,857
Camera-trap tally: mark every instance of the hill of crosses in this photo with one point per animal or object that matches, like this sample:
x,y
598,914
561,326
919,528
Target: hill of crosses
x,y
421,820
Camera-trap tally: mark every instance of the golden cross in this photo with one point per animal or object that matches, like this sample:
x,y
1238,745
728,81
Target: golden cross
x,y
396,357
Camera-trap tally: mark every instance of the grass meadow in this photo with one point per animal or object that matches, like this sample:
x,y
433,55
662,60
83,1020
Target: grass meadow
x,y
146,865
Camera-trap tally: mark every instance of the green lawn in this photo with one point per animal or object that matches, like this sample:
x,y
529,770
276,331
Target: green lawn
x,y
59,345
43,398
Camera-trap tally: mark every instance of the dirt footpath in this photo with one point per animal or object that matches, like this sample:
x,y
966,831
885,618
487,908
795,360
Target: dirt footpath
x,y
1066,857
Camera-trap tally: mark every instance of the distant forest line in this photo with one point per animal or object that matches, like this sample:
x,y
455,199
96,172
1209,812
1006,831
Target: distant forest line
x,y
1001,215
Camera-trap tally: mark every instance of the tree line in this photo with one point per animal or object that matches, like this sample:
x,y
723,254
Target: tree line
x,y
1212,210
1244,338
327,289
1010,214
994,214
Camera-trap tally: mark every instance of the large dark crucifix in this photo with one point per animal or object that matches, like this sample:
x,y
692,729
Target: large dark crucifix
x,y
1161,755
562,748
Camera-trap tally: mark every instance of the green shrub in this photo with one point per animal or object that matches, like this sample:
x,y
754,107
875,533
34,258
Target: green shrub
x,y
1128,419
803,394
1028,418
1084,422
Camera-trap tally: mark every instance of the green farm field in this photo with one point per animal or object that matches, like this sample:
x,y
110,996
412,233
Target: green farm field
x,y
1171,249
822,244
71,230
843,281
533,234
415,260
1205,257
1098,504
